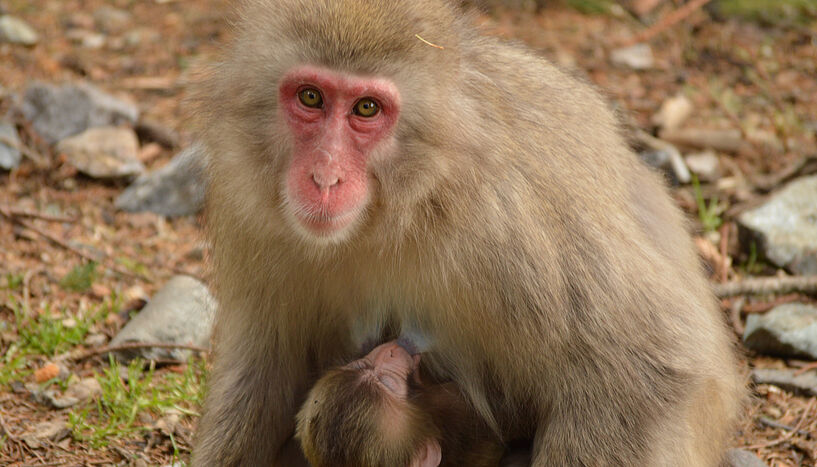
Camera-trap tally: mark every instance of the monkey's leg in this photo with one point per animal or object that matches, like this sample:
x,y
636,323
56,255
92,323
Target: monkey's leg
x,y
662,426
250,408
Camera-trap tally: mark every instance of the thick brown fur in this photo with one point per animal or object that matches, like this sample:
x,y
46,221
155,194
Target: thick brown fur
x,y
513,226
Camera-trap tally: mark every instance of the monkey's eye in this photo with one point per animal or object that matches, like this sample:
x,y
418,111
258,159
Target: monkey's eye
x,y
366,107
310,97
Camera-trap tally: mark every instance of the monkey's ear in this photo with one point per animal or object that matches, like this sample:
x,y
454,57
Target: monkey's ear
x,y
429,454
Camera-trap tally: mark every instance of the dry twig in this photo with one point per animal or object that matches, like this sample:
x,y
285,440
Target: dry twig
x,y
38,160
805,368
762,307
139,345
791,433
8,215
805,165
666,22
724,267
37,215
734,315
6,430
773,424
767,286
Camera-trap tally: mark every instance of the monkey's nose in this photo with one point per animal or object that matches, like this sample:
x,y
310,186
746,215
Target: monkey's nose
x,y
390,351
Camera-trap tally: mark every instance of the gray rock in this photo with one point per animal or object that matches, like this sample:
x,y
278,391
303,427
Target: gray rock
x,y
17,31
176,189
787,226
704,164
59,112
803,384
742,458
9,154
180,313
104,152
788,330
637,57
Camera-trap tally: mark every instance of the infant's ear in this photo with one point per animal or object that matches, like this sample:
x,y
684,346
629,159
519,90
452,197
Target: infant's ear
x,y
429,455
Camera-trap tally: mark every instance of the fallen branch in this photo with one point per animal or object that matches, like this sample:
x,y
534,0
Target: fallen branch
x,y
724,247
37,215
806,165
8,215
763,307
773,424
734,315
807,367
666,22
139,345
767,286
791,433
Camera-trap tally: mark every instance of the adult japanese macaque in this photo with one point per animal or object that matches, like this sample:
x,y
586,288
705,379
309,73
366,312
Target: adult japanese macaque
x,y
378,412
381,162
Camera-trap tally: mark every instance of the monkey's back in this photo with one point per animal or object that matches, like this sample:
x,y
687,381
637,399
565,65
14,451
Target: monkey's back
x,y
570,247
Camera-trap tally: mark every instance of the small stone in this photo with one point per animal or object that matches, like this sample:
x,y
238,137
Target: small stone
x,y
47,372
140,36
742,458
10,156
84,389
112,20
637,57
180,313
167,424
786,226
104,152
673,112
96,340
135,292
44,432
149,152
17,31
69,323
788,330
802,384
93,40
100,290
59,112
177,189
704,164
77,392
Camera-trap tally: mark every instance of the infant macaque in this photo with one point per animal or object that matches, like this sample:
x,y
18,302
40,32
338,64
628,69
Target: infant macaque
x,y
376,412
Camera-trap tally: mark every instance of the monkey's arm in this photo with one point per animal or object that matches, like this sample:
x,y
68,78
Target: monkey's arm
x,y
251,403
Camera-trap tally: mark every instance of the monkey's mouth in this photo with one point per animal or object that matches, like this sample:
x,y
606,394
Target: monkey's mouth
x,y
323,224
